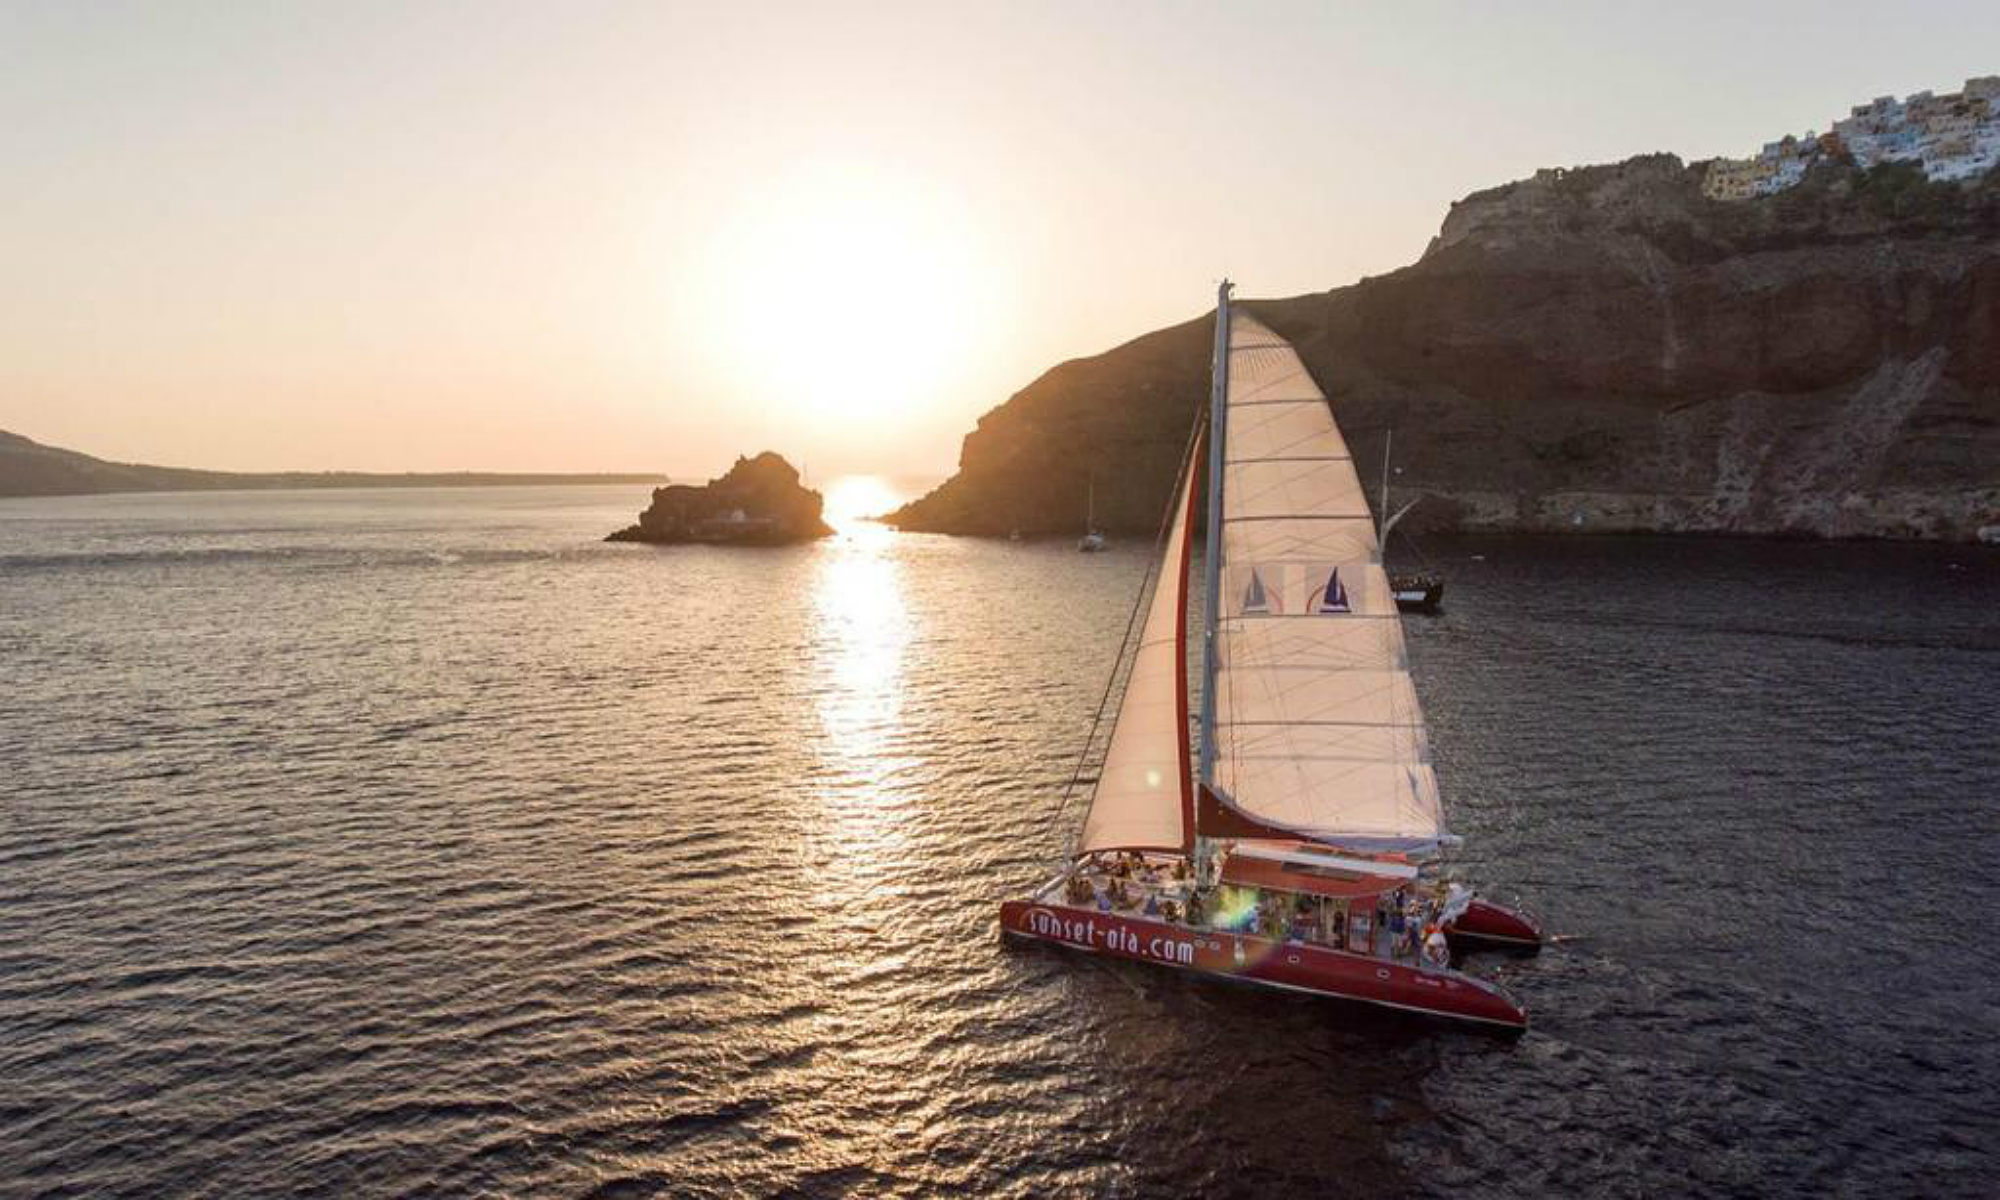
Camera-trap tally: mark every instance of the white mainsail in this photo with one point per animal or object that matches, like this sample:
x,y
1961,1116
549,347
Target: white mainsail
x,y
1317,730
1143,799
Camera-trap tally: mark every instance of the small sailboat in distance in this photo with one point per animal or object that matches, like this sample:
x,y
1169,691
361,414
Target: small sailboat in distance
x,y
1293,843
1415,591
1091,541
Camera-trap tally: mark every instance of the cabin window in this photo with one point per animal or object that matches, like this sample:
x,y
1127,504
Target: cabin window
x,y
1333,922
1361,929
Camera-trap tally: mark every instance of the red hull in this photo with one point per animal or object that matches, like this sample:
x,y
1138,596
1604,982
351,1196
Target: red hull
x,y
1492,923
1294,966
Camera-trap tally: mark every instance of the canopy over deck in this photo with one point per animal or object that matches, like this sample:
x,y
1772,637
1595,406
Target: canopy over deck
x,y
1277,872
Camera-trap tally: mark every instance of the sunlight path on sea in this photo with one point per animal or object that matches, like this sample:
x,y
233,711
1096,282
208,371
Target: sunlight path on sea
x,y
861,635
856,839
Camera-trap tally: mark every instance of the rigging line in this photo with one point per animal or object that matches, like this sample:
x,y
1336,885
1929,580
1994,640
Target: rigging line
x,y
1296,721
1294,458
1360,516
1154,575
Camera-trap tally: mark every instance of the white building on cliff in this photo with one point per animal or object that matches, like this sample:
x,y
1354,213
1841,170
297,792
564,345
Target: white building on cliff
x,y
1955,136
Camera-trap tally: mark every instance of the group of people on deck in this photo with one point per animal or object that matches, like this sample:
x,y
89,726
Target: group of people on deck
x,y
1122,881
1404,924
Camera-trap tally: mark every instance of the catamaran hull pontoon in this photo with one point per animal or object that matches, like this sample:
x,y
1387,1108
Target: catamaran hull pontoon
x,y
1292,966
1486,924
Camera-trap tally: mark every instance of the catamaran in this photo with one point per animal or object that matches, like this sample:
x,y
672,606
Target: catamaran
x,y
1290,837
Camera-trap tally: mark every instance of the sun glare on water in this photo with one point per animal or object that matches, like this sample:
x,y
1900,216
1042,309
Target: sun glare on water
x,y
862,634
854,501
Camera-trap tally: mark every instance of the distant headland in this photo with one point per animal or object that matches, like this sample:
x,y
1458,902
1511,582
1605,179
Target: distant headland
x,y
28,468
1807,343
760,502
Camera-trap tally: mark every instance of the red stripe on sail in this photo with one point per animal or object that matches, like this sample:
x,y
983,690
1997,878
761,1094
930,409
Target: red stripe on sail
x,y
1180,649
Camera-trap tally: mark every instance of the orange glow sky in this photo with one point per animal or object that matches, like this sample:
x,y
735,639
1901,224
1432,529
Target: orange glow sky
x,y
652,236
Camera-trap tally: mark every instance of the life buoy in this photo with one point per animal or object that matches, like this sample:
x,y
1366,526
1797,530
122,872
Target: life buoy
x,y
1437,951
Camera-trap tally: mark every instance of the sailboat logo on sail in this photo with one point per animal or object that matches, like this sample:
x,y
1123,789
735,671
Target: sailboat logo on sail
x,y
1256,599
1333,597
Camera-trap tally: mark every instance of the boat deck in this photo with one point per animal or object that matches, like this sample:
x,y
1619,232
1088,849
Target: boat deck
x,y
1376,938
1375,916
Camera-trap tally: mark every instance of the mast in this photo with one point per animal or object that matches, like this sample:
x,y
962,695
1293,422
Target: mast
x,y
1386,520
1212,553
1382,513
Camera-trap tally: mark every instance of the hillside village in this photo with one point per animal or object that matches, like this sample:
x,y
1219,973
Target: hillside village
x,y
1955,136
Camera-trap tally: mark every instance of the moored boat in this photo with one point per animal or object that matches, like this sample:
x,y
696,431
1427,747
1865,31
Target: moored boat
x,y
1091,541
1415,591
1419,593
1294,842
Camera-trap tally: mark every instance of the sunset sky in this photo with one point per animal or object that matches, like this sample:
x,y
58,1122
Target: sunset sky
x,y
652,236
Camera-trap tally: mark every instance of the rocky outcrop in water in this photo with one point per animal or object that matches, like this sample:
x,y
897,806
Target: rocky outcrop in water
x,y
1601,350
759,502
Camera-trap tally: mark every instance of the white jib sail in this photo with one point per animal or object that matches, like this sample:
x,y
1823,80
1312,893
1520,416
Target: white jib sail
x,y
1141,791
1317,726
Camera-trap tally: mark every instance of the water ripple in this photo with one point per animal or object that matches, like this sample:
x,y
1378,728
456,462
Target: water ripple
x,y
420,844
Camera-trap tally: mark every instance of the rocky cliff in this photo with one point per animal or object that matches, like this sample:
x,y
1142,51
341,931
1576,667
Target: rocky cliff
x,y
759,502
1601,349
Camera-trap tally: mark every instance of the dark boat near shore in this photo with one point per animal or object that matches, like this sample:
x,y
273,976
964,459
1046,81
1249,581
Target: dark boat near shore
x,y
1417,593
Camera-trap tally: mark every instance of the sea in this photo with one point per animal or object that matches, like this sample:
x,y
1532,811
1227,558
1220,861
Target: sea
x,y
419,843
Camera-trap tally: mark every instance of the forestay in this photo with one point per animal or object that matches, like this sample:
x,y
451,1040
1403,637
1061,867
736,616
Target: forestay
x,y
1144,795
1317,727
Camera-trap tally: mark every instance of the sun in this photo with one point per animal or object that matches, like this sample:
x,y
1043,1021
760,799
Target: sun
x,y
851,296
853,501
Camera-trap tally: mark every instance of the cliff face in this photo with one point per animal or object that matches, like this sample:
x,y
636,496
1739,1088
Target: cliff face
x,y
759,502
1599,350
